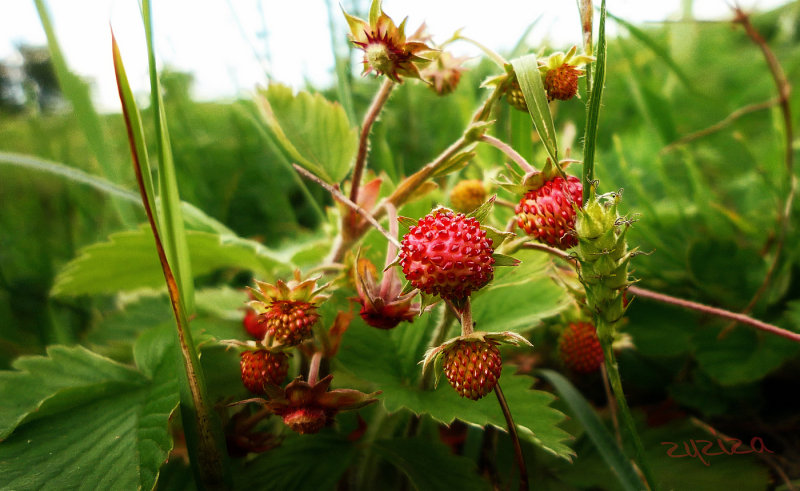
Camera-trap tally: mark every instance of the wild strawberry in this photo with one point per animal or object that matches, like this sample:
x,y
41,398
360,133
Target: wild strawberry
x,y
289,311
472,362
562,82
467,195
580,348
472,367
447,254
515,98
263,367
548,212
560,74
254,324
444,73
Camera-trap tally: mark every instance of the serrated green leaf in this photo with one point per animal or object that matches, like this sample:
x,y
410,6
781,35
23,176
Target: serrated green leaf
x,y
518,298
369,357
127,262
600,436
423,463
301,462
311,129
85,422
530,81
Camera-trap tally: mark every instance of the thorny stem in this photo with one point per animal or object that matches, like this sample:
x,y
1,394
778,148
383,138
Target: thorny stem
x,y
363,142
510,152
784,89
679,302
346,201
616,387
512,431
313,368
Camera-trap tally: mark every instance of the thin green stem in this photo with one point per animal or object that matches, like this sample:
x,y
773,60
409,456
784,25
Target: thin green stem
x,y
512,431
605,334
494,56
594,101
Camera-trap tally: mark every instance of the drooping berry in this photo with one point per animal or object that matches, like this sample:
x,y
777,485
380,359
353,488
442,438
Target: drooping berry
x,y
287,311
472,367
447,254
263,367
580,348
305,420
562,82
468,195
254,324
548,212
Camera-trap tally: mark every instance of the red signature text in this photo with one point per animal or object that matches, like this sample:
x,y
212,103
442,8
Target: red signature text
x,y
700,449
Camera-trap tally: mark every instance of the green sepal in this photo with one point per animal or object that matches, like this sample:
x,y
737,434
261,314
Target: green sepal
x,y
480,213
503,260
406,223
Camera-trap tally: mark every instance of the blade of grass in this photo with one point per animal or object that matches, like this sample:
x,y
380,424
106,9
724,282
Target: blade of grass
x,y
598,433
203,432
527,70
77,93
172,229
593,106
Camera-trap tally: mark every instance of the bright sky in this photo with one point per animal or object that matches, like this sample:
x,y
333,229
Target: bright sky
x,y
229,45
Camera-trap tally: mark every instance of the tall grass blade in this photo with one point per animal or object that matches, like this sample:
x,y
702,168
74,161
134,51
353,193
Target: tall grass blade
x,y
77,93
203,432
527,70
593,106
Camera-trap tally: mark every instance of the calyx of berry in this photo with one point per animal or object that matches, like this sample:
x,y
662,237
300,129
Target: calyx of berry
x,y
386,49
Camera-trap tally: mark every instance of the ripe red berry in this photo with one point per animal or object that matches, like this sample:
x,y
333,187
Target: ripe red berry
x,y
562,82
472,367
580,348
548,213
447,254
290,322
254,324
263,367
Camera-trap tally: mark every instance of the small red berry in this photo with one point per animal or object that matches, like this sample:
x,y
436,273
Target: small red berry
x,y
290,322
447,254
472,367
548,213
580,348
263,367
254,324
561,82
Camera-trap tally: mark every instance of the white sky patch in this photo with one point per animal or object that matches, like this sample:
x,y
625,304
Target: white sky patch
x,y
230,45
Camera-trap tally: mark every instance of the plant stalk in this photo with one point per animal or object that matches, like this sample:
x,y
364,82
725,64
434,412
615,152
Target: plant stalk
x,y
363,142
604,333
512,431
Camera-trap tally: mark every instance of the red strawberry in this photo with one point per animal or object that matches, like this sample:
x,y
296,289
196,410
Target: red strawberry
x,y
562,82
472,367
580,348
548,212
288,311
263,367
447,254
254,324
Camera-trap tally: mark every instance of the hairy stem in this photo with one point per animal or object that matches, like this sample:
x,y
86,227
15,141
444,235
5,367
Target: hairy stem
x,y
466,318
363,142
622,404
510,152
512,431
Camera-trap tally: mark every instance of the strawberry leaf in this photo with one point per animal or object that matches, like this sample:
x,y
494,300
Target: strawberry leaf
x,y
312,130
82,420
397,373
127,262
